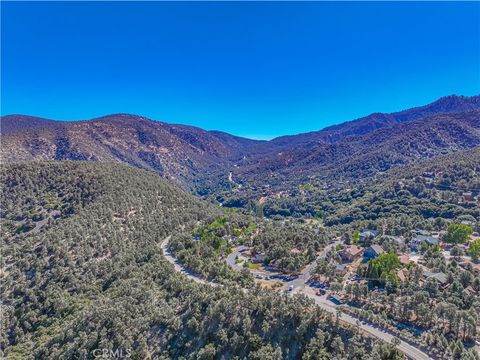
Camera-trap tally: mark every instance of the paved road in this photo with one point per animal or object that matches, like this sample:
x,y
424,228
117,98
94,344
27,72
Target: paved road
x,y
179,267
231,259
298,286
305,276
409,350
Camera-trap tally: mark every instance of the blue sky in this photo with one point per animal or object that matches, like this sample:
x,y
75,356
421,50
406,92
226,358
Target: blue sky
x,y
252,69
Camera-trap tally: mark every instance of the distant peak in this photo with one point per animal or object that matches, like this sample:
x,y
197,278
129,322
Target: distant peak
x,y
120,116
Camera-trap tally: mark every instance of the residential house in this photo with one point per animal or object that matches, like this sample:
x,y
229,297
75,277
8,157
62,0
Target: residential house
x,y
469,290
404,259
400,240
420,239
402,274
440,277
373,252
341,270
258,259
421,232
468,196
350,253
367,235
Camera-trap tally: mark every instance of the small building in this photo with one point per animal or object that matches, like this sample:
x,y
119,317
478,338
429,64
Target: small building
x,y
440,277
341,269
421,232
258,259
469,290
402,274
350,253
366,235
404,259
468,196
420,239
400,240
373,252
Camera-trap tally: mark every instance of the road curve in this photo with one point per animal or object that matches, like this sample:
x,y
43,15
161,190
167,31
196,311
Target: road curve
x,y
231,259
179,267
409,350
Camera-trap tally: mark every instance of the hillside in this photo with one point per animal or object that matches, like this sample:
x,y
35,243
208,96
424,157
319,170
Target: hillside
x,y
202,161
372,122
94,277
10,124
176,152
358,157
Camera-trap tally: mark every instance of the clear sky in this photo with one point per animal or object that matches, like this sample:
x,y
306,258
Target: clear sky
x,y
252,69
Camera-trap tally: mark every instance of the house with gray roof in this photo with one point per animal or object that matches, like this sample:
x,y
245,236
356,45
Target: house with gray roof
x,y
373,252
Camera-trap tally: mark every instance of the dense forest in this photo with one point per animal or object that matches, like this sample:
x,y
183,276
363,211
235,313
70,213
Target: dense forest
x,y
429,189
93,277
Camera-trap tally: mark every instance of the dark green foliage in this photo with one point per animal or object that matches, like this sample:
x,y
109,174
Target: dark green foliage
x,y
96,279
458,233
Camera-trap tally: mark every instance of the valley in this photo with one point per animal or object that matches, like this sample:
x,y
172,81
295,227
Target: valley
x,y
356,241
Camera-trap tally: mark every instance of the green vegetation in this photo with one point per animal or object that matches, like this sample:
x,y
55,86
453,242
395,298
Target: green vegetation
x,y
356,236
95,278
474,249
384,267
253,266
458,234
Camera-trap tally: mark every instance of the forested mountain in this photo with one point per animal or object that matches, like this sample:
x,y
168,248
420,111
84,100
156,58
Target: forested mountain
x,y
349,162
12,123
213,162
426,189
93,277
372,122
83,267
178,152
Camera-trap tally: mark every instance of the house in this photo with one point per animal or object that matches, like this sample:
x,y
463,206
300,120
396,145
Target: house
x,y
402,274
366,235
373,252
440,277
404,259
469,223
469,290
470,266
258,259
421,232
350,253
420,239
400,240
341,269
468,196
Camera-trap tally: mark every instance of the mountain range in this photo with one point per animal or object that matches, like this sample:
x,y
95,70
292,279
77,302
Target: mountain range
x,y
205,161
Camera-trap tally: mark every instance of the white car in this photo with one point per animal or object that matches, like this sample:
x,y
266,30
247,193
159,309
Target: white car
x,y
290,288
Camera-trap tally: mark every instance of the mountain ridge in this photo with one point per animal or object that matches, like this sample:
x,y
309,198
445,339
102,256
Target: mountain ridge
x,y
445,104
201,160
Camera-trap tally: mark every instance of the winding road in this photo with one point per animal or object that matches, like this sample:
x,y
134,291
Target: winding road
x,y
409,350
180,268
